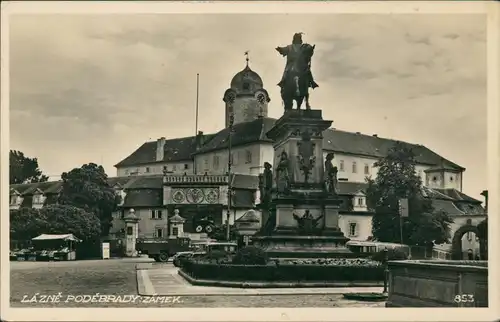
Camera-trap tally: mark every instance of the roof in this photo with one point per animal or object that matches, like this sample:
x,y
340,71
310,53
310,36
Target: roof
x,y
334,140
176,219
377,147
351,188
56,237
143,198
249,216
245,181
243,133
179,149
447,206
246,75
457,195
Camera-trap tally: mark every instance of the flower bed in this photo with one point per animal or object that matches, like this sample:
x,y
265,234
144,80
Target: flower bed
x,y
331,270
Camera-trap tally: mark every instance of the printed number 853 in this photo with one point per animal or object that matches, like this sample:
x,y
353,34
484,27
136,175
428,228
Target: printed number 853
x,y
464,298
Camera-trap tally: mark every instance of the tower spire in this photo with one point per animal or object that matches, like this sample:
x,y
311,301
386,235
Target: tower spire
x,y
246,54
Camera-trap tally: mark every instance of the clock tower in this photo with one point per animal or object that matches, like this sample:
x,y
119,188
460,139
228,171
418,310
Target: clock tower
x,y
246,98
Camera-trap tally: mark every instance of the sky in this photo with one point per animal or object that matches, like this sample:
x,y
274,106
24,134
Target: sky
x,y
93,88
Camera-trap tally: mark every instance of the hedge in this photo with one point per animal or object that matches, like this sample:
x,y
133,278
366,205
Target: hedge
x,y
282,272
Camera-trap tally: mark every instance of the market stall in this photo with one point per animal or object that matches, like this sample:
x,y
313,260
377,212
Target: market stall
x,y
55,247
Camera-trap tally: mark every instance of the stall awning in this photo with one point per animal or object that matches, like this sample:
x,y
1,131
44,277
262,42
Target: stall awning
x,y
56,237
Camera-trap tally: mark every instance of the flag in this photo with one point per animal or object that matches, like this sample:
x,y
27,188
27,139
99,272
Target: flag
x,y
403,207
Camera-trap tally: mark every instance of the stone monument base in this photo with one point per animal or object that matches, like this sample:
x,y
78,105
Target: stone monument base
x,y
283,246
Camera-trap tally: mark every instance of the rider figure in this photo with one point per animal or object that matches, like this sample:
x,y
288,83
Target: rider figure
x,y
293,52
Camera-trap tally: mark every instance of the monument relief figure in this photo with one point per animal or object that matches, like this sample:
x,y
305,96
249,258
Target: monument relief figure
x,y
331,171
306,156
307,223
297,76
267,182
282,174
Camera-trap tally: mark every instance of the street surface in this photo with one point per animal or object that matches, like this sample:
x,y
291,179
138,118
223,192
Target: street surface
x,y
120,279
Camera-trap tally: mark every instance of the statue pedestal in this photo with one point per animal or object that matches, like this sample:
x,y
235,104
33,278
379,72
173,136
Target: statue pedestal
x,y
302,216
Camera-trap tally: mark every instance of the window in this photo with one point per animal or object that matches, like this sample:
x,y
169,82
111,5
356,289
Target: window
x,y
147,169
361,202
354,167
341,165
216,161
205,162
186,166
130,231
248,157
246,86
352,229
469,236
37,199
175,231
451,179
126,172
159,232
367,169
434,178
156,214
174,167
13,199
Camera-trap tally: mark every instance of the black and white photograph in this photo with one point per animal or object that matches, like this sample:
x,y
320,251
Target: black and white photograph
x,y
294,156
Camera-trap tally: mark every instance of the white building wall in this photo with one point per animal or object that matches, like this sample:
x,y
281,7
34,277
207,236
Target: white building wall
x,y
156,168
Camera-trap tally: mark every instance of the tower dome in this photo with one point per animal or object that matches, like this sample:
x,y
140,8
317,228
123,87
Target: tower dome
x,y
246,99
246,81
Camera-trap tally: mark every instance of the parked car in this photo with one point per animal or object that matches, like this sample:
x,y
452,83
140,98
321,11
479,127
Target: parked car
x,y
204,248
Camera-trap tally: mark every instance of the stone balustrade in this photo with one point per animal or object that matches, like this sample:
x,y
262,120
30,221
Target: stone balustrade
x,y
194,179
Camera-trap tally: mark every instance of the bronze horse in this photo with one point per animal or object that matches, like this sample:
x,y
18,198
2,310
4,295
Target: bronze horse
x,y
298,80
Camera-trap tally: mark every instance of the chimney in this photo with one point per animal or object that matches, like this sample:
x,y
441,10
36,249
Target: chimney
x,y
160,149
375,135
485,195
358,132
200,139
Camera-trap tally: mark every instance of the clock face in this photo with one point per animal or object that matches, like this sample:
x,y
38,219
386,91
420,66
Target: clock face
x,y
261,98
230,97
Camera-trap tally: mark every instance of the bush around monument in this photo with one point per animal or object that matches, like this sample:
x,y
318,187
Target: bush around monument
x,y
250,255
275,271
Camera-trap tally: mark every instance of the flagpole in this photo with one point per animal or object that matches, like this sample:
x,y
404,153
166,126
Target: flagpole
x,y
197,100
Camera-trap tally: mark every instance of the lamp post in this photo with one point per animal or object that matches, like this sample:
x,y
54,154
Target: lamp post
x,y
230,186
386,269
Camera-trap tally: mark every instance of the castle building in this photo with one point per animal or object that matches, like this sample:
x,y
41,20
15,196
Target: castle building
x,y
189,176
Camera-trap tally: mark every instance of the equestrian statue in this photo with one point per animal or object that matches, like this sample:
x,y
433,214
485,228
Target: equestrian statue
x,y
297,77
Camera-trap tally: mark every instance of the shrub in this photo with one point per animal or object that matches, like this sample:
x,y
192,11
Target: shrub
x,y
250,255
284,272
392,255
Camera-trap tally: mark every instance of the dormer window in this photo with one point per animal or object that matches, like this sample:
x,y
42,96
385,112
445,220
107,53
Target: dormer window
x,y
38,199
361,202
13,200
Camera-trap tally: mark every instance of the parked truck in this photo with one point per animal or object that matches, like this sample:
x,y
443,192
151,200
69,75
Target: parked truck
x,y
161,249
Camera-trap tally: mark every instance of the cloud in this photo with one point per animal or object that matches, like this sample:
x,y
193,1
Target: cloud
x,y
94,87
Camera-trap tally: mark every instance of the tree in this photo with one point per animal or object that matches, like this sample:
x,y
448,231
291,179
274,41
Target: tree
x,y
27,223
397,179
87,188
23,169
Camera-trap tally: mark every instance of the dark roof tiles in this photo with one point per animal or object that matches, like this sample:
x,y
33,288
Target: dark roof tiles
x,y
255,131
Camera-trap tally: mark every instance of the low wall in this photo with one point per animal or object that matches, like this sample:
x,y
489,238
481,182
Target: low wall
x,y
431,283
